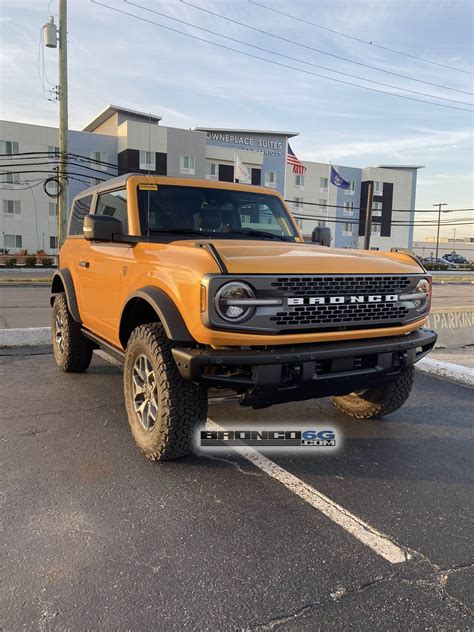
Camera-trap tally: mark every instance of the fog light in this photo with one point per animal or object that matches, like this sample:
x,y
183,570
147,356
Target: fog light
x,y
231,301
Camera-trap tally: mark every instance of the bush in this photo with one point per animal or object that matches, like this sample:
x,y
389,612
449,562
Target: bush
x,y
30,261
47,262
435,266
10,262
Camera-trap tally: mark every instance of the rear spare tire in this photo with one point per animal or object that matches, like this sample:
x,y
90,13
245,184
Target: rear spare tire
x,y
378,400
162,408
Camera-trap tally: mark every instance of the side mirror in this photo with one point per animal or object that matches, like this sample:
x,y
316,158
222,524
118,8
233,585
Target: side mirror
x,y
102,228
321,235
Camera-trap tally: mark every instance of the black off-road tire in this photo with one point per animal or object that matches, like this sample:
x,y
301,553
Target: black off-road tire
x,y
377,401
181,405
72,352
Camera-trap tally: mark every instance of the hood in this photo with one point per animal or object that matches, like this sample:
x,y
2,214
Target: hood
x,y
271,257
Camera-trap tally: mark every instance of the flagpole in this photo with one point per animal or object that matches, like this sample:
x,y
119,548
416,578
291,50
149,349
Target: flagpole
x,y
329,197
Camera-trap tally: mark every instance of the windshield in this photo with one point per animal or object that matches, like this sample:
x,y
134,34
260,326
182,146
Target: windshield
x,y
213,212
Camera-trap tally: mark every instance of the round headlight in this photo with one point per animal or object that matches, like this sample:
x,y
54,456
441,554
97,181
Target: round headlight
x,y
423,287
231,301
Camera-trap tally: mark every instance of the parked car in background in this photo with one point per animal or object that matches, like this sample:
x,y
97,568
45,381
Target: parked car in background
x,y
453,257
439,262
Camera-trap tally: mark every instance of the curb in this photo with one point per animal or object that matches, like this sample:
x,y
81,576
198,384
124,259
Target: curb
x,y
447,370
27,337
39,336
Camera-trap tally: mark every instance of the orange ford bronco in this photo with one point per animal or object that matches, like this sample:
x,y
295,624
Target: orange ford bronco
x,y
199,285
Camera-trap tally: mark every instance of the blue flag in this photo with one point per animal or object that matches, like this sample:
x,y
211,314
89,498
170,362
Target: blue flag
x,y
337,180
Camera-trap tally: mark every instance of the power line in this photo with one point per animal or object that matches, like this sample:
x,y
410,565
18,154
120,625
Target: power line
x,y
317,50
276,63
359,208
348,220
42,164
302,61
40,154
358,39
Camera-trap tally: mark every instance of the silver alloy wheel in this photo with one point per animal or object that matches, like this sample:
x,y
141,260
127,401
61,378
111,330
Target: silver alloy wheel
x,y
58,333
145,392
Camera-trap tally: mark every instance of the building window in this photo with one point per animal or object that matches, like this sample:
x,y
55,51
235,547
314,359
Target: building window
x,y
299,222
321,223
378,188
9,147
147,161
97,158
10,177
53,243
53,209
375,230
298,203
12,242
53,150
347,229
323,184
212,171
186,165
271,179
351,189
11,207
299,182
348,209
376,209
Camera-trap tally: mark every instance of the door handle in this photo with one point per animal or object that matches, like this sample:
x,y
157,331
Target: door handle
x,y
84,264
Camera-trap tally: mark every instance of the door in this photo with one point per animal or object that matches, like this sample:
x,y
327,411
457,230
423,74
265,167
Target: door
x,y
102,269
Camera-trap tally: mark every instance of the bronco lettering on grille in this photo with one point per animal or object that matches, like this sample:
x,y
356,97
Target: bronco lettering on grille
x,y
340,300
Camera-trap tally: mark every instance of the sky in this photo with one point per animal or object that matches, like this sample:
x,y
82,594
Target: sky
x,y
119,59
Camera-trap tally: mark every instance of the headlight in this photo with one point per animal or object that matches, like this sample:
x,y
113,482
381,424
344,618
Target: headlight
x,y
233,301
421,297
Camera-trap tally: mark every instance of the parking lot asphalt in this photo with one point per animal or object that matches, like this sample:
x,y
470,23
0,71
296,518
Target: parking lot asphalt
x,y
97,538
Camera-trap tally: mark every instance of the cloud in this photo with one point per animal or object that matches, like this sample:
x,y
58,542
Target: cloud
x,y
414,146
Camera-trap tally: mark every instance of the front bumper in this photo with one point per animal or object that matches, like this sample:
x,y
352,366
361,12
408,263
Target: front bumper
x,y
269,376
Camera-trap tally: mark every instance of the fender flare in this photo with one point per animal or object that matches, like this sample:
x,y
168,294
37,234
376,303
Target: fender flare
x,y
64,276
166,310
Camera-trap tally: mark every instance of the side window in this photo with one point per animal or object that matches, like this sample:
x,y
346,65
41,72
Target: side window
x,y
115,205
80,209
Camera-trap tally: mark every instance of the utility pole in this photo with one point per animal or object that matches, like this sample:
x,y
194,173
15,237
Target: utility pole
x,y
51,40
368,218
63,124
439,205
454,240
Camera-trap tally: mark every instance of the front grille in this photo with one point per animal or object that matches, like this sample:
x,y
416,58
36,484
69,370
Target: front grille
x,y
310,315
340,285
351,302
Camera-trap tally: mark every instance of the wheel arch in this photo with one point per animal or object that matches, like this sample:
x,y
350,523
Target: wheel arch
x,y
62,282
149,304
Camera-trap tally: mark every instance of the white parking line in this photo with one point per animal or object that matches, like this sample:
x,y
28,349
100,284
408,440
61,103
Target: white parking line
x,y
377,541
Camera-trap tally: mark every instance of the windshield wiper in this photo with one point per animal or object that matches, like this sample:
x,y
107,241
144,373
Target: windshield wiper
x,y
256,233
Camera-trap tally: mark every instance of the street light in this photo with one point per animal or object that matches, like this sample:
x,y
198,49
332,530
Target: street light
x,y
454,239
439,205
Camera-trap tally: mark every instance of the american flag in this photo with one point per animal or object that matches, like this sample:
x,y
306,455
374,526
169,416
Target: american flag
x,y
291,159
